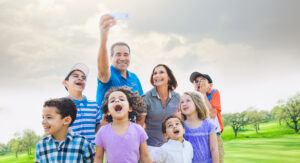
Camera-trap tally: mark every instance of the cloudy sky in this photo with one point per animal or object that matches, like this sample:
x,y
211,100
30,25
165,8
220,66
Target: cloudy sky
x,y
250,49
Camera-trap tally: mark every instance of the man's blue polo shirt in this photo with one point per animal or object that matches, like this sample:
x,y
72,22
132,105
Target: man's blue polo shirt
x,y
117,80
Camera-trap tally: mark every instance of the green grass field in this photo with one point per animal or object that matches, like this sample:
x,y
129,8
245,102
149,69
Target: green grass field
x,y
273,143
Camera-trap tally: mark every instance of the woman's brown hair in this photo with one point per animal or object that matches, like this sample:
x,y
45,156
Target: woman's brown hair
x,y
172,83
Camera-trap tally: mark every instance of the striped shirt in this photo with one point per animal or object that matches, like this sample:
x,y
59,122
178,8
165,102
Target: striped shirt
x,y
88,116
74,148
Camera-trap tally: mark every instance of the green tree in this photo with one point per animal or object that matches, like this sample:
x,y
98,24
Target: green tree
x,y
236,121
30,139
3,149
16,144
277,111
291,112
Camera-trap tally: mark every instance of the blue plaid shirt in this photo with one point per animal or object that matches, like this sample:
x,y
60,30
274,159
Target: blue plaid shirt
x,y
74,148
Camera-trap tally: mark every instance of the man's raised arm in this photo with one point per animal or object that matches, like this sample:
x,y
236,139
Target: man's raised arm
x,y
106,22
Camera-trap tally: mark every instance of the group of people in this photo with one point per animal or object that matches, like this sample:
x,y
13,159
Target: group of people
x,y
124,123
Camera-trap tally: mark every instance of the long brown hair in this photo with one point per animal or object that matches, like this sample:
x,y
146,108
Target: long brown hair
x,y
199,104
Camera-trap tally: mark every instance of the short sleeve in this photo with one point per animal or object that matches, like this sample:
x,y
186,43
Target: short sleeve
x,y
37,156
140,89
98,140
143,135
99,115
146,106
190,149
89,152
158,155
216,101
211,127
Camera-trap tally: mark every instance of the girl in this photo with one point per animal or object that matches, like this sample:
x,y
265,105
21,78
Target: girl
x,y
122,140
198,129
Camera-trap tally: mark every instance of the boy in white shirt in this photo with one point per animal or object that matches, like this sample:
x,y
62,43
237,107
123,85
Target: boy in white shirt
x,y
176,150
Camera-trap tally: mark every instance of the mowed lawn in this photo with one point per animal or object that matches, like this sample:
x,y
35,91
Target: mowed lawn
x,y
282,150
273,143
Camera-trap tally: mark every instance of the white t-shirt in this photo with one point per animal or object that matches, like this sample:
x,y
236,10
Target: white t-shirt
x,y
173,152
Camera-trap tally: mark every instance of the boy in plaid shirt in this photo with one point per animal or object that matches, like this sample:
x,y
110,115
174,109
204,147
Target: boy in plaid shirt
x,y
61,145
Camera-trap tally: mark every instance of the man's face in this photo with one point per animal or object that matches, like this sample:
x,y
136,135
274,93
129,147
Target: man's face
x,y
199,82
121,57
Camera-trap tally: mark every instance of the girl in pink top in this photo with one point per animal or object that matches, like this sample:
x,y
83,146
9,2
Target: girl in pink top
x,y
122,140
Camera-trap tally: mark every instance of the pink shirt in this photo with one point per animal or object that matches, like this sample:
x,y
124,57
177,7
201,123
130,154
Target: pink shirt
x,y
124,148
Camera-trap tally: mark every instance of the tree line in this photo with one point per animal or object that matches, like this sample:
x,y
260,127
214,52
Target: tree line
x,y
285,112
24,141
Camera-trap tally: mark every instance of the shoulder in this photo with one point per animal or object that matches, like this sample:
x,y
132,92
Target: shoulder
x,y
187,144
138,129
148,94
136,126
209,124
175,95
43,141
80,139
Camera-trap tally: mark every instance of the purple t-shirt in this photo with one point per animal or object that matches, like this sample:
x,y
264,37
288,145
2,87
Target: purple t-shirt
x,y
199,138
124,148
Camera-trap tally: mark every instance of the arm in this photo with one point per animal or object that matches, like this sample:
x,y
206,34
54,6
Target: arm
x,y
144,154
106,22
212,111
37,156
99,155
142,121
213,145
204,87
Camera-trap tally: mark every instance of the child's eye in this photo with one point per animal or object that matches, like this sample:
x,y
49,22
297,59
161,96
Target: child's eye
x,y
170,126
177,124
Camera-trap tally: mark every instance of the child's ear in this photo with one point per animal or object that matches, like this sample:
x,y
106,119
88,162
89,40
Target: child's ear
x,y
130,109
64,83
166,136
67,120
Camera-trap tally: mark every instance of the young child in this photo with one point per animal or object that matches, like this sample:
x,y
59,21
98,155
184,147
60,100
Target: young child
x,y
89,115
199,130
176,150
122,140
61,145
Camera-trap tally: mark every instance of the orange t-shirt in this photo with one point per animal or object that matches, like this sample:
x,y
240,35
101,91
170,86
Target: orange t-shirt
x,y
215,102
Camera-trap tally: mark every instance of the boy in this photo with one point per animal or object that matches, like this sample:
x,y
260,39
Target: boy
x,y
176,150
89,115
61,145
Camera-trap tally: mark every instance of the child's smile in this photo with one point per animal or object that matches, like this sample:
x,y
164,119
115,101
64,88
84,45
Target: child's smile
x,y
52,122
187,105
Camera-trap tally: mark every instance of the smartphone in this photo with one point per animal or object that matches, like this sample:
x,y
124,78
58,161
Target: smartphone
x,y
121,16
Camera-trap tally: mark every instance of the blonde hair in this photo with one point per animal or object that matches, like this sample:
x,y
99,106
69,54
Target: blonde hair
x,y
199,103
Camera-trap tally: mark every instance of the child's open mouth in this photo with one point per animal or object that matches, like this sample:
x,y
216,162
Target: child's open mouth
x,y
118,108
176,132
79,84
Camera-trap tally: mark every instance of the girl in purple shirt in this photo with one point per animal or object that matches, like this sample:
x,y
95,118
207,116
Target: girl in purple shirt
x,y
121,139
198,130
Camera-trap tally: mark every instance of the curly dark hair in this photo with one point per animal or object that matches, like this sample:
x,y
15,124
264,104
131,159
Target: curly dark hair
x,y
136,102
